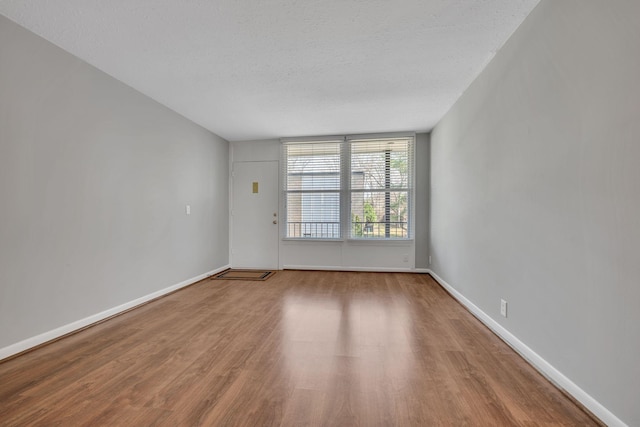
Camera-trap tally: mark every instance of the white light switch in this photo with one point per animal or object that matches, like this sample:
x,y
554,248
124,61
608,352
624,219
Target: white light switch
x,y
187,209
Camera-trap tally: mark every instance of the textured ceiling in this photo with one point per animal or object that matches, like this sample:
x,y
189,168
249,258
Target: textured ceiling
x,y
259,69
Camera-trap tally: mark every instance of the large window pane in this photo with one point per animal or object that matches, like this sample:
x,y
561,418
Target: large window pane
x,y
380,187
312,186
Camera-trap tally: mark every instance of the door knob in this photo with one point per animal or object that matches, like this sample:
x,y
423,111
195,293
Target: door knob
x,y
275,222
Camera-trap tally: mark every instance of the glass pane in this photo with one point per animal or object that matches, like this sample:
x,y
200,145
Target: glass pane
x,y
313,215
313,166
380,214
380,164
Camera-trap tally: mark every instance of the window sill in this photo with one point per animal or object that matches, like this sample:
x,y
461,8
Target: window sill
x,y
310,239
392,242
364,242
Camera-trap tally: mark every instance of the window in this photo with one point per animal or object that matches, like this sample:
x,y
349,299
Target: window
x,y
380,188
313,189
373,203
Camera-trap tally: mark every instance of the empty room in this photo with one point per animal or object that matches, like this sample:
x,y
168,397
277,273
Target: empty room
x,y
303,213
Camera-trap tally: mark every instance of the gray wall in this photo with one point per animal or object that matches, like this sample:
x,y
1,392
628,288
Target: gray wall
x,y
94,179
423,164
535,199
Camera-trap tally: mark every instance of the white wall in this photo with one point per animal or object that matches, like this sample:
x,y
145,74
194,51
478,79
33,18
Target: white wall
x,y
535,199
378,256
94,179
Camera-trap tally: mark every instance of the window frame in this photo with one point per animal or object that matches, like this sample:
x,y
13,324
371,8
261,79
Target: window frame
x,y
285,142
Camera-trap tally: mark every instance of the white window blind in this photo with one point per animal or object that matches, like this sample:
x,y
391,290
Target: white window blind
x,y
313,183
381,188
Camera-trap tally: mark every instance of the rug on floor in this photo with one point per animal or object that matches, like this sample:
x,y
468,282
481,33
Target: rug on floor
x,y
244,275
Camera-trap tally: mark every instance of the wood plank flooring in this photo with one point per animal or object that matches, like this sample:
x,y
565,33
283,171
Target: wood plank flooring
x,y
301,349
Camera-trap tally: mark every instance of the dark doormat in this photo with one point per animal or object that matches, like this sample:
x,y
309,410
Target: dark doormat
x,y
244,275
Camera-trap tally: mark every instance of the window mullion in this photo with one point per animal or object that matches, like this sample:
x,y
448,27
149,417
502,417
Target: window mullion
x,y
345,195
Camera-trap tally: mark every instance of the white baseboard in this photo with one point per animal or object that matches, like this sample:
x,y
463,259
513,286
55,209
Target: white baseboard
x,y
79,324
341,268
540,364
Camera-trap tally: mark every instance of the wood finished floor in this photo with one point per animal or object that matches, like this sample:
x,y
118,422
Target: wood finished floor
x,y
303,348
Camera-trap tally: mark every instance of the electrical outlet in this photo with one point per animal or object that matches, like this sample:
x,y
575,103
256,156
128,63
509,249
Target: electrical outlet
x,y
187,209
503,308
405,258
429,259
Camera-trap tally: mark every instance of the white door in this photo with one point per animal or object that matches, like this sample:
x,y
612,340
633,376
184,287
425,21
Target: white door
x,y
254,215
